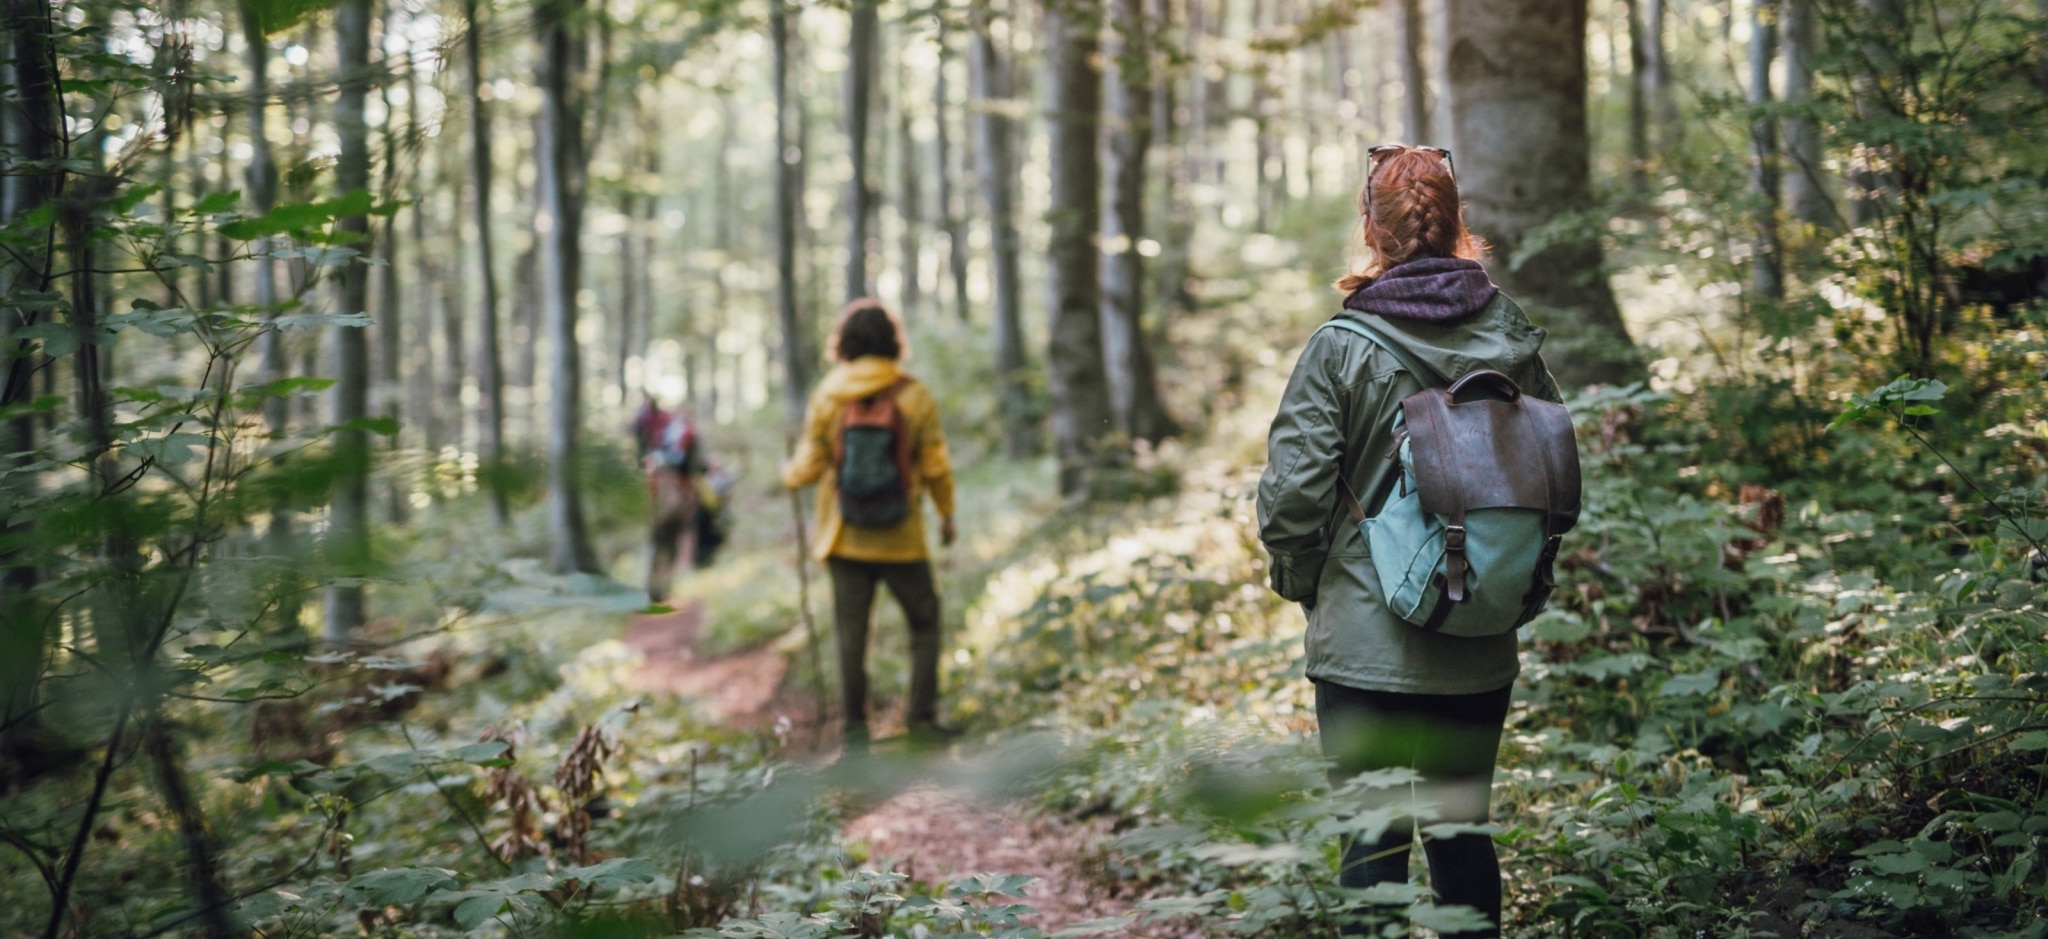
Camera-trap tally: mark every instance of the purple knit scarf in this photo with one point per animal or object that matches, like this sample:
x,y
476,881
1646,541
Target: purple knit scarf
x,y
1430,290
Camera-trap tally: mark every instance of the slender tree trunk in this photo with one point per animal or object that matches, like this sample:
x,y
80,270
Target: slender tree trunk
x,y
1519,83
629,294
797,360
860,94
909,198
388,367
1437,73
452,300
1805,187
419,384
1075,379
558,27
270,351
490,379
1638,105
950,213
1667,129
1766,273
1177,231
348,541
994,169
1127,356
1408,48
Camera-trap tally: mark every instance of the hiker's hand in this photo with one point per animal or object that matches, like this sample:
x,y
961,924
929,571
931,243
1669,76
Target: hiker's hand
x,y
947,532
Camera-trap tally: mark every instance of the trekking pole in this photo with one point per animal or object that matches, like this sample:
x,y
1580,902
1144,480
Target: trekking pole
x,y
803,604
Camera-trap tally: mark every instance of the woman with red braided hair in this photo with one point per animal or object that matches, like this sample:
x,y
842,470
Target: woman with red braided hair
x,y
1390,695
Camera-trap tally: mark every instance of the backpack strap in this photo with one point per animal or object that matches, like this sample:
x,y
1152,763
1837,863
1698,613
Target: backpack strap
x,y
1429,377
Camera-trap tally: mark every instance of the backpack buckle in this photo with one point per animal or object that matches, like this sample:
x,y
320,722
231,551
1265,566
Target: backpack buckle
x,y
1454,538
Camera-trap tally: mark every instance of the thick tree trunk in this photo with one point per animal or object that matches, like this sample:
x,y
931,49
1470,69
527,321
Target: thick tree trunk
x,y
29,132
860,95
1127,356
995,170
1518,82
1406,16
348,535
1075,378
1766,273
1805,187
490,379
559,29
950,214
797,360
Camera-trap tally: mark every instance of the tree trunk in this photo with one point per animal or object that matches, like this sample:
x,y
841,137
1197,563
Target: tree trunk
x,y
1437,73
995,170
348,536
1766,275
559,28
1638,106
860,94
1805,187
1075,378
1127,356
1518,82
909,200
797,360
1666,127
490,379
950,213
454,369
419,383
29,132
388,367
1406,16
1177,235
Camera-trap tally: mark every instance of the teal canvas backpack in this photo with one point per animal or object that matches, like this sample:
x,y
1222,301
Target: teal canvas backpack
x,y
1467,541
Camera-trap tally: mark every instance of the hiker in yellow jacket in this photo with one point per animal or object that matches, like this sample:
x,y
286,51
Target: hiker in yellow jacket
x,y
878,426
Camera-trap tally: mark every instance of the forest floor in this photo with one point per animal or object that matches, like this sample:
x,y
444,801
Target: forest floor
x,y
932,834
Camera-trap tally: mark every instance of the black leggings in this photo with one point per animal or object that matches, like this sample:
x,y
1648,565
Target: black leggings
x,y
1451,741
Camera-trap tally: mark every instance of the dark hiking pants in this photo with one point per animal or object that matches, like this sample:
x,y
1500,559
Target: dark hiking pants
x,y
853,601
1451,741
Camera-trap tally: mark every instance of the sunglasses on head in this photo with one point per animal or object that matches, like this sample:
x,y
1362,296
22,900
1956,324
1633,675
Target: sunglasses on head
x,y
1373,159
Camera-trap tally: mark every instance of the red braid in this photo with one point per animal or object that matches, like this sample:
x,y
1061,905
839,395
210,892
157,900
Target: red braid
x,y
1413,213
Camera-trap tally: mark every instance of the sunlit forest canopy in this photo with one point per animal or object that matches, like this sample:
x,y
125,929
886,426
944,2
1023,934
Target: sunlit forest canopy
x,y
340,592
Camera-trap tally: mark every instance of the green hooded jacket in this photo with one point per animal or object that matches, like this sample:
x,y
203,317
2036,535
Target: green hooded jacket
x,y
1337,416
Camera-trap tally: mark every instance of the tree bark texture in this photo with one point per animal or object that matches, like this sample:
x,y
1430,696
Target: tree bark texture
x,y
1406,35
860,96
1075,378
29,131
1127,136
1518,83
1638,105
387,366
1805,186
348,541
490,379
797,359
995,170
1766,273
418,360
558,27
950,215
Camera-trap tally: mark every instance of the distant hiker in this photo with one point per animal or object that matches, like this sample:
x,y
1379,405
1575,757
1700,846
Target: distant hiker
x,y
672,456
872,444
1390,693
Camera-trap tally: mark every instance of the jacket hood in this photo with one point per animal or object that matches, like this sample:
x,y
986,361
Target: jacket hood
x,y
1498,336
860,378
1437,290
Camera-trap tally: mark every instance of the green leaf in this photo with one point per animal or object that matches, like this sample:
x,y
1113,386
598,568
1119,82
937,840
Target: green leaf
x,y
169,449
471,913
1696,683
382,426
400,886
218,202
1448,919
2031,740
59,339
488,753
613,873
1910,862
